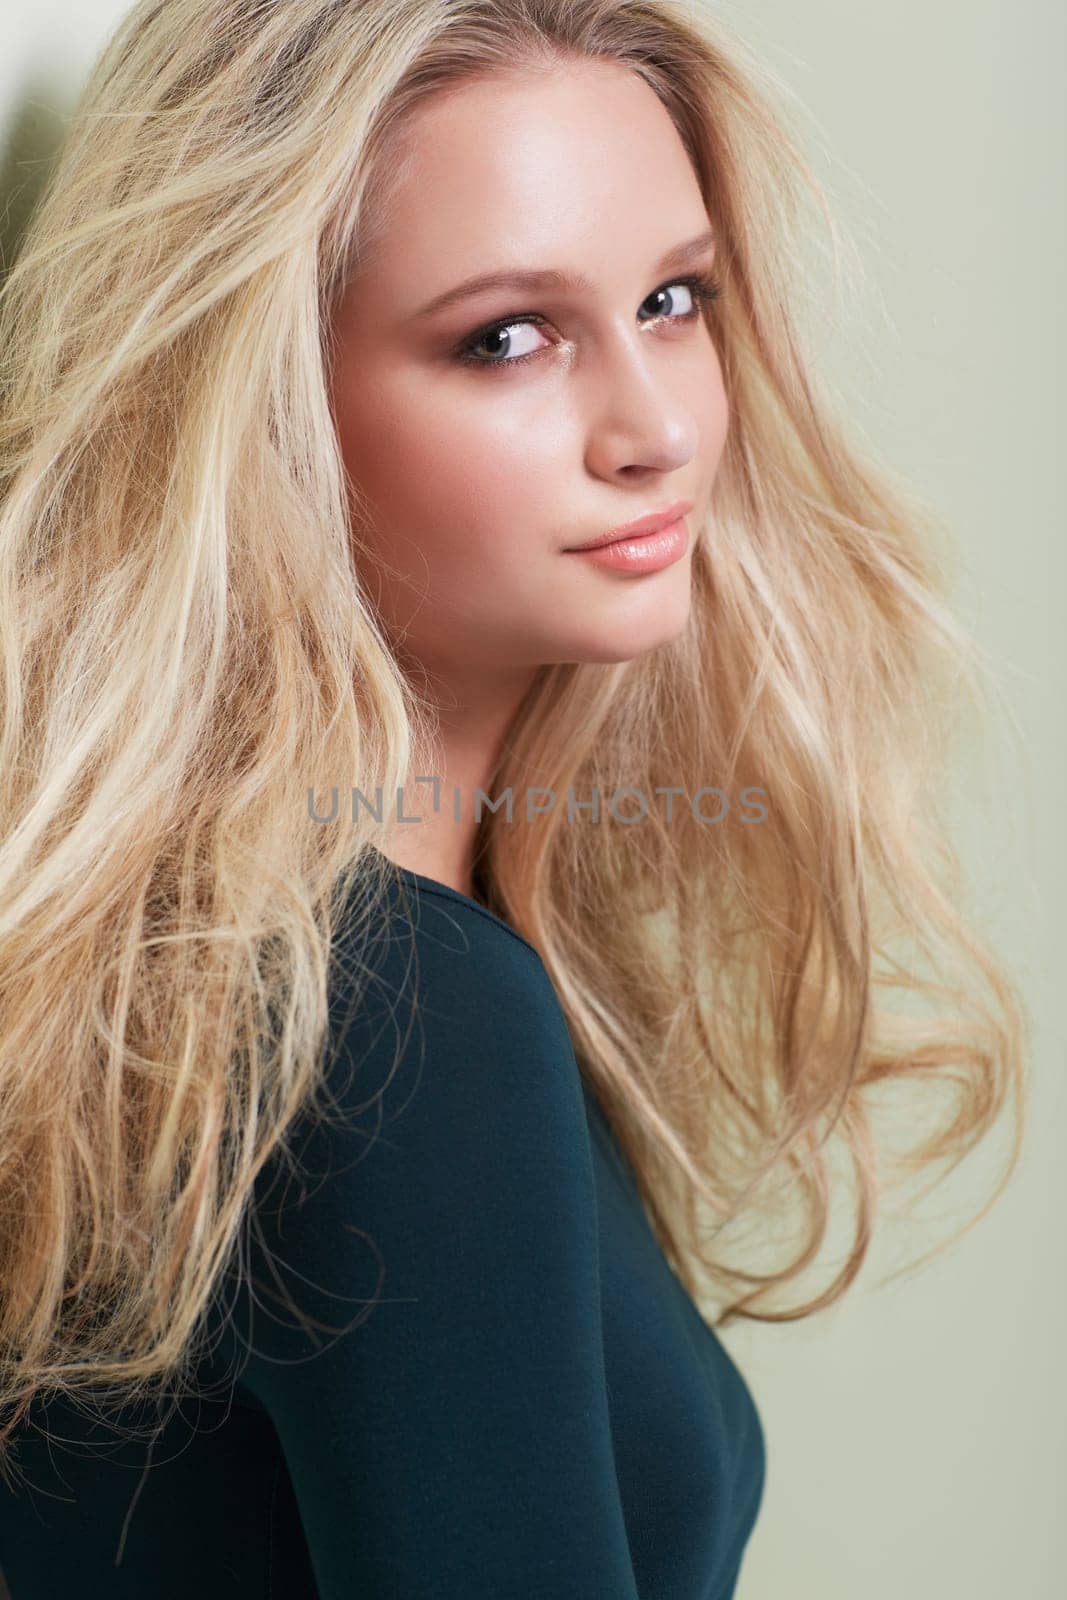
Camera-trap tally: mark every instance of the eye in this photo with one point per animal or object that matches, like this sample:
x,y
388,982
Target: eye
x,y
499,338
699,289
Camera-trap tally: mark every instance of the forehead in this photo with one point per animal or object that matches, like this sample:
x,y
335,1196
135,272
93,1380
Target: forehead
x,y
524,166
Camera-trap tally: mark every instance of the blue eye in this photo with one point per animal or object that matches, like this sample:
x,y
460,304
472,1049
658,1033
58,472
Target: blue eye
x,y
703,289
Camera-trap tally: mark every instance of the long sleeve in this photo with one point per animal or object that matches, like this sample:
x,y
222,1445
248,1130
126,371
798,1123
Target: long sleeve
x,y
505,1393
455,1442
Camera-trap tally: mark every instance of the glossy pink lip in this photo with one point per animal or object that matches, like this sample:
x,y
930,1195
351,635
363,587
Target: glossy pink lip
x,y
652,523
651,552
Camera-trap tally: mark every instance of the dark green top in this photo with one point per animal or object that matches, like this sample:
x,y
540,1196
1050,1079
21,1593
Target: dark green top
x,y
526,1404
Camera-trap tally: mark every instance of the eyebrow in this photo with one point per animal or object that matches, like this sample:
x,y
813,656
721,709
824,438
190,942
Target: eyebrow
x,y
550,278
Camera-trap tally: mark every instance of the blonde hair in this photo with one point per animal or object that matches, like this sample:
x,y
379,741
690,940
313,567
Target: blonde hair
x,y
187,653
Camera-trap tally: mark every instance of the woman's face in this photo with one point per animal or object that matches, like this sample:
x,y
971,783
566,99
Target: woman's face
x,y
481,474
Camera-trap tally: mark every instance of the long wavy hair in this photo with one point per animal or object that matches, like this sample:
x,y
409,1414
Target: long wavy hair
x,y
188,655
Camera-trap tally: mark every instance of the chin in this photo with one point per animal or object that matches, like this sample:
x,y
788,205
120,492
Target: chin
x,y
632,631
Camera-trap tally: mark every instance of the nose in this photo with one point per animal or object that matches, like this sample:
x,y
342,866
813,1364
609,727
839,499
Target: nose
x,y
643,419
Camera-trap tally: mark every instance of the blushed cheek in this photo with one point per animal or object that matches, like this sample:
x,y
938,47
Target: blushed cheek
x,y
396,450
450,489
431,502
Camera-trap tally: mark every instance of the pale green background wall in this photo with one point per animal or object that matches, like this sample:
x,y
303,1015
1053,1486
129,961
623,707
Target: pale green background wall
x,y
917,1435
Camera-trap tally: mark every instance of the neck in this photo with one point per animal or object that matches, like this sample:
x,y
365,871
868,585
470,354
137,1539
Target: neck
x,y
475,714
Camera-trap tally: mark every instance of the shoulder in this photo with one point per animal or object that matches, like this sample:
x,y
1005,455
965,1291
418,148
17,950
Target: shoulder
x,y
452,970
448,1045
446,1243
455,1122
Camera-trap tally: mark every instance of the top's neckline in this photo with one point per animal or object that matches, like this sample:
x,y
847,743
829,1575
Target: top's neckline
x,y
427,885
427,882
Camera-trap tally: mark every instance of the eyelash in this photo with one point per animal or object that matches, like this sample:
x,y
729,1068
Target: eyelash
x,y
703,287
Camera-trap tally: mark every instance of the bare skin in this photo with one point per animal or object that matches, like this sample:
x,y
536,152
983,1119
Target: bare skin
x,y
479,476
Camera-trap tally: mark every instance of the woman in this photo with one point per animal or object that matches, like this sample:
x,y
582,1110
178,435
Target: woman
x,y
293,524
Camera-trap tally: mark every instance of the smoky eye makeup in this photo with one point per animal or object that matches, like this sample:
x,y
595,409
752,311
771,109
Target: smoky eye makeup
x,y
703,288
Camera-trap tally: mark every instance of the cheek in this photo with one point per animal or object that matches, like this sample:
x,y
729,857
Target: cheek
x,y
722,411
451,477
709,403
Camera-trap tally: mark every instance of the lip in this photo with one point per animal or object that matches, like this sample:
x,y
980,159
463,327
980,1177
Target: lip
x,y
654,522
650,552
